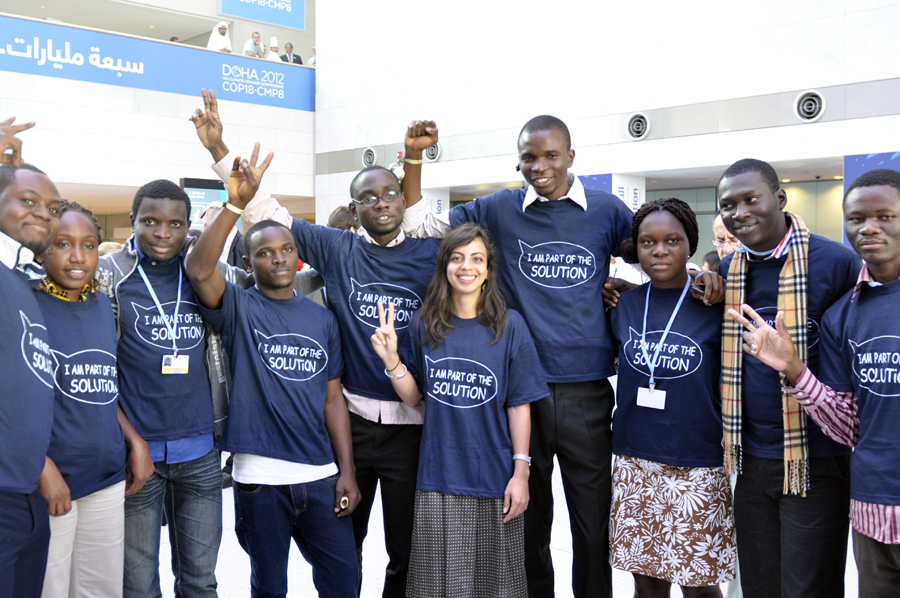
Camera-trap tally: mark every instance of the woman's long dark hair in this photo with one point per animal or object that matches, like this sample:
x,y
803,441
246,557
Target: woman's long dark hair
x,y
436,311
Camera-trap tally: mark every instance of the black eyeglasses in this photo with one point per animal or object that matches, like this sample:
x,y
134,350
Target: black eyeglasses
x,y
372,200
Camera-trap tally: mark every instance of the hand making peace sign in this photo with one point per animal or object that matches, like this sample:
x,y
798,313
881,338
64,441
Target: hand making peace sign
x,y
385,339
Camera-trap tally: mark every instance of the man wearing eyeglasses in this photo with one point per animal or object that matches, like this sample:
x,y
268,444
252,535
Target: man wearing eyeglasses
x,y
379,265
724,241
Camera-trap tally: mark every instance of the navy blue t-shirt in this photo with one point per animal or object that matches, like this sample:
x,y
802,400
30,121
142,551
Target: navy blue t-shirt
x,y
358,275
861,353
688,432
283,352
554,259
162,406
833,269
467,384
87,446
26,400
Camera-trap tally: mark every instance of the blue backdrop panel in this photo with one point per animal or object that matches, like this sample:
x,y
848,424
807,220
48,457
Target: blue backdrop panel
x,y
284,13
51,50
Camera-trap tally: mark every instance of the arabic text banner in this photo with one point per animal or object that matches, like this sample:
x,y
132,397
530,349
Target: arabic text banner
x,y
51,50
284,13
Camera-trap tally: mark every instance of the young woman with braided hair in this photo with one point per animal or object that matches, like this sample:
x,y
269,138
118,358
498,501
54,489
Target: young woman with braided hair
x,y
671,519
86,475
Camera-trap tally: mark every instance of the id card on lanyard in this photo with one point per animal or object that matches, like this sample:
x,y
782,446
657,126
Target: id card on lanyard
x,y
174,363
651,397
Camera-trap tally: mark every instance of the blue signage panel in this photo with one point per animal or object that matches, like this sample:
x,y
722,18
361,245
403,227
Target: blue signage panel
x,y
284,13
38,48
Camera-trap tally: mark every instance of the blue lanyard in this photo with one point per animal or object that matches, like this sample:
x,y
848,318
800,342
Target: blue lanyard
x,y
162,314
651,365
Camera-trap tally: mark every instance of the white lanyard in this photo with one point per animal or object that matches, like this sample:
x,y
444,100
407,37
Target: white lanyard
x,y
162,314
651,365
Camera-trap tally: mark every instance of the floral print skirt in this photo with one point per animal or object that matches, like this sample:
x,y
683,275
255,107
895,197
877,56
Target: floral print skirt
x,y
672,523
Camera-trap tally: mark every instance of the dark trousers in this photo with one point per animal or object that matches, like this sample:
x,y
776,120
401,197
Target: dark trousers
x,y
24,538
878,565
268,517
389,453
792,546
573,424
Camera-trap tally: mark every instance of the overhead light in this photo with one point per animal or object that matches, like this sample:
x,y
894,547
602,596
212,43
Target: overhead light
x,y
838,177
785,180
43,7
152,26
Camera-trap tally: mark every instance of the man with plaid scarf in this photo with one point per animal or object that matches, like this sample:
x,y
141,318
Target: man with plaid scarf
x,y
792,497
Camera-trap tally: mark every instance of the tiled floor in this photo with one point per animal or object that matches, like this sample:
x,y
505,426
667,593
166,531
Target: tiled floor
x,y
233,570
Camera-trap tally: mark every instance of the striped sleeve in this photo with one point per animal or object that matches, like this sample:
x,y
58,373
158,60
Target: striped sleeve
x,y
835,412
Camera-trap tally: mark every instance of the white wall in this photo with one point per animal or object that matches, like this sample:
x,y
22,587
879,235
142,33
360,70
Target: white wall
x,y
484,68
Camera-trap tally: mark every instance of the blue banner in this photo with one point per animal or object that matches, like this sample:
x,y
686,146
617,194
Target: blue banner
x,y
284,13
38,48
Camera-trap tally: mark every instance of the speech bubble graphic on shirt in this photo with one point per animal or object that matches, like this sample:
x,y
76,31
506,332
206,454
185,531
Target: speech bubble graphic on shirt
x,y
88,376
291,356
36,350
459,382
876,363
680,356
556,264
152,329
812,327
364,300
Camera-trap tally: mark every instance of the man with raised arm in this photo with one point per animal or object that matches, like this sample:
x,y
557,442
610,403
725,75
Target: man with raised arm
x,y
555,240
29,220
854,397
287,421
792,494
360,270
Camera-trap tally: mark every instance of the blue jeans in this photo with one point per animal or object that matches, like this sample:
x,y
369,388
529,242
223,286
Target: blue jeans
x,y
191,494
267,517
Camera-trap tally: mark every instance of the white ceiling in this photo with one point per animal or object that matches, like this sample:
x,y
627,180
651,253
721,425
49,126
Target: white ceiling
x,y
115,15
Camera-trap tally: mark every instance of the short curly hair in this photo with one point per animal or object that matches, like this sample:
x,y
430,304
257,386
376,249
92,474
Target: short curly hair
x,y
678,208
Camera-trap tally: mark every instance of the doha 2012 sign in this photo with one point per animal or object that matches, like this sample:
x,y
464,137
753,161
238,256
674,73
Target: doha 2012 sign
x,y
284,13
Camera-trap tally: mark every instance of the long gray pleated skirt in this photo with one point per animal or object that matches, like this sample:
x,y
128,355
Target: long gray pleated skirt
x,y
462,549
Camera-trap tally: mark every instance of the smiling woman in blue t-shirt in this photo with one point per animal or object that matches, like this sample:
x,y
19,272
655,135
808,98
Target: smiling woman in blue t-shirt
x,y
475,364
86,476
671,518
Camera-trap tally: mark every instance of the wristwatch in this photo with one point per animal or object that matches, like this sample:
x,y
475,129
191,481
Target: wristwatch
x,y
521,457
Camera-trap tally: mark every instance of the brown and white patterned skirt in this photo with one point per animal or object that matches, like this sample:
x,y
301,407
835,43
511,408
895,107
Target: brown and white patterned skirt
x,y
462,549
672,523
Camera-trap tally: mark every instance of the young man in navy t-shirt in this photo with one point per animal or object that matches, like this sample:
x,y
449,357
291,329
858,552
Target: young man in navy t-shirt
x,y
287,418
29,220
791,529
165,377
379,265
555,240
854,397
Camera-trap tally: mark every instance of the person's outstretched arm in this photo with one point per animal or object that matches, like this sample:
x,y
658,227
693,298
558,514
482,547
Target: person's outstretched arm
x,y
208,282
420,135
209,130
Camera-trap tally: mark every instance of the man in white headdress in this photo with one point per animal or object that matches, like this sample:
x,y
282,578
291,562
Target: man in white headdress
x,y
273,51
218,39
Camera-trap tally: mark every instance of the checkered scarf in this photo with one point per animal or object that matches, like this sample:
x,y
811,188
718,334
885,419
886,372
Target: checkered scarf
x,y
792,289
